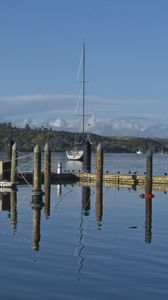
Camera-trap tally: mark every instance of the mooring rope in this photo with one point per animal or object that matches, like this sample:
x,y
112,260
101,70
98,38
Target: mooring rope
x,y
22,176
28,163
27,155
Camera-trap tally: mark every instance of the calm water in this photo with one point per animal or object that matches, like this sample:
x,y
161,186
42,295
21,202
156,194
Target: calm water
x,y
113,162
116,248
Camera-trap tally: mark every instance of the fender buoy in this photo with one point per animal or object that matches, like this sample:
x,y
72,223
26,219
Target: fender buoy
x,y
147,196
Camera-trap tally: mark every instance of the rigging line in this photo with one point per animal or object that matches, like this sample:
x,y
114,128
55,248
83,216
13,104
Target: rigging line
x,y
27,163
61,198
20,173
80,64
78,101
60,182
27,155
20,157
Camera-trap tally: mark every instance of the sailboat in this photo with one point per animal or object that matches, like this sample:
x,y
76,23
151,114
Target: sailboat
x,y
139,151
77,153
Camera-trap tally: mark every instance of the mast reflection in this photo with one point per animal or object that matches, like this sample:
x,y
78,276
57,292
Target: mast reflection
x,y
84,213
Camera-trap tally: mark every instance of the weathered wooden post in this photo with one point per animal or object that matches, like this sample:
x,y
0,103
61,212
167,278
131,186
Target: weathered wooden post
x,y
37,170
47,179
99,183
9,150
87,157
99,166
149,172
13,177
36,197
47,166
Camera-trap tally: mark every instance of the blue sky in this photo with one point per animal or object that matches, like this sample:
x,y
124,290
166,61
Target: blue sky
x,y
126,56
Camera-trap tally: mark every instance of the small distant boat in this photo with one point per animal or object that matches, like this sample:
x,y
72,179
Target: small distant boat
x,y
139,151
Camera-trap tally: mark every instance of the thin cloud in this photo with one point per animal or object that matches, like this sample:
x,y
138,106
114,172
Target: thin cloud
x,y
36,97
62,106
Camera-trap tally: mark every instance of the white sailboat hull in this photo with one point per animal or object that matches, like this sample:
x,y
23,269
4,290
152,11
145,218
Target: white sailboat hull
x,y
139,152
75,154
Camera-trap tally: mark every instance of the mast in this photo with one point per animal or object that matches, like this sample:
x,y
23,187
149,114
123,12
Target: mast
x,y
83,91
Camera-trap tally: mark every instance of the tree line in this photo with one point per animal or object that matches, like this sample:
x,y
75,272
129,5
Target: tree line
x,y
59,141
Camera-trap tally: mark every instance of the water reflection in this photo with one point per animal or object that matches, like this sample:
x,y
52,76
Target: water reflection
x,y
37,205
74,165
5,201
84,213
85,200
47,195
8,202
13,210
148,220
59,189
99,205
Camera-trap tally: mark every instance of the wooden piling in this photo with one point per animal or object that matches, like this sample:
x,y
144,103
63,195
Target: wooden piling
x,y
9,150
149,171
37,169
13,177
47,166
99,183
87,157
99,166
47,179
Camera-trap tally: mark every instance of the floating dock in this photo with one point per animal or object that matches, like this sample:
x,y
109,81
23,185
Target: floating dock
x,y
84,177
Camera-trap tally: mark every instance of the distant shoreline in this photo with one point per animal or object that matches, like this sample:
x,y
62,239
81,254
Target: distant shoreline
x,y
59,141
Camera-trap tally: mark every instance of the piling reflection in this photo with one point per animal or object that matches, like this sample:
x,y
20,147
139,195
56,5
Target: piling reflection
x,y
99,205
8,202
37,205
148,220
86,200
13,210
47,196
5,201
